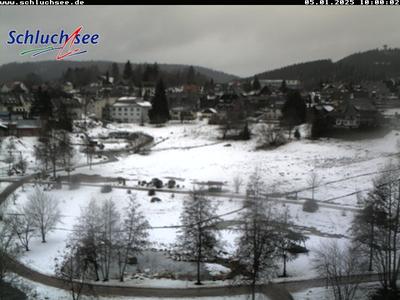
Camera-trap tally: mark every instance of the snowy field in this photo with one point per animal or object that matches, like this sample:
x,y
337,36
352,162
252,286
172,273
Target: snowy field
x,y
166,213
192,152
284,169
25,147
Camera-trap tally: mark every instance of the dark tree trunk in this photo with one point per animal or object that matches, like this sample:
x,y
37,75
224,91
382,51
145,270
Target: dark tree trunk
x,y
199,257
284,266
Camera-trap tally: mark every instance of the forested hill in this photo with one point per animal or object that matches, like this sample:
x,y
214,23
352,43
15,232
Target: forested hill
x,y
53,70
369,65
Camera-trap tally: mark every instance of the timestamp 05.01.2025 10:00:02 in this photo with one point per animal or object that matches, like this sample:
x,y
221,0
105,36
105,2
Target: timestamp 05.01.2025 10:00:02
x,y
352,2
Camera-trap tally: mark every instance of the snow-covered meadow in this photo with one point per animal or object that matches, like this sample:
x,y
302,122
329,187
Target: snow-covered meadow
x,y
190,153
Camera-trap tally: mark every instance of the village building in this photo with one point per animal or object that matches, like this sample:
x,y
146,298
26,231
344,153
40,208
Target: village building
x,y
20,127
130,110
357,113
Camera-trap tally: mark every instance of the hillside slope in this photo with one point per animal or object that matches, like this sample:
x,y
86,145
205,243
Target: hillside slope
x,y
375,64
51,70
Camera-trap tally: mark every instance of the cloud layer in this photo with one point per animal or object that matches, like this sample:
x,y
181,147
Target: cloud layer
x,y
242,40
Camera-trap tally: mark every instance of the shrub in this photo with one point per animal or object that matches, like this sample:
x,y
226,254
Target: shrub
x,y
270,137
171,183
74,184
297,134
382,294
310,205
152,192
245,134
106,188
57,185
157,183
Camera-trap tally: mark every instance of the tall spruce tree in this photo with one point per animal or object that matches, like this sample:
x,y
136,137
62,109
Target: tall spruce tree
x,y
115,72
128,70
41,105
283,87
191,75
159,112
293,110
256,84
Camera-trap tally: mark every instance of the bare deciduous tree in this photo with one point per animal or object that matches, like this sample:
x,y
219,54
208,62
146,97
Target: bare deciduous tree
x,y
386,239
73,270
237,182
269,136
313,181
364,227
44,212
290,242
257,249
87,235
340,266
22,226
133,236
8,248
108,240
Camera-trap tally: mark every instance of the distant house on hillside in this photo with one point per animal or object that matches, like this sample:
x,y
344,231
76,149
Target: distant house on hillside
x,y
277,83
148,89
20,127
208,112
357,113
270,115
130,110
182,114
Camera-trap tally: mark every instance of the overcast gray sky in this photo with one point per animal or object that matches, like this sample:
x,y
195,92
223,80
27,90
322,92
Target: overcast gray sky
x,y
242,40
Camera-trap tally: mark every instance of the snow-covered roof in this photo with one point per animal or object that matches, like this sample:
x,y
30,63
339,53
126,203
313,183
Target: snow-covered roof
x,y
131,102
211,110
391,111
144,103
127,98
329,108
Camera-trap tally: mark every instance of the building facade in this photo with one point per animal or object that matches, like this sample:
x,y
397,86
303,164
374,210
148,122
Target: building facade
x,y
130,110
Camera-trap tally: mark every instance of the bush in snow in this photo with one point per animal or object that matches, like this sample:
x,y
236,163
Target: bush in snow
x,y
74,183
157,183
152,192
269,137
106,188
310,205
171,183
297,134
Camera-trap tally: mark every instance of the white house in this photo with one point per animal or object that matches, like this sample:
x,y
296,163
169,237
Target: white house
x,y
130,110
